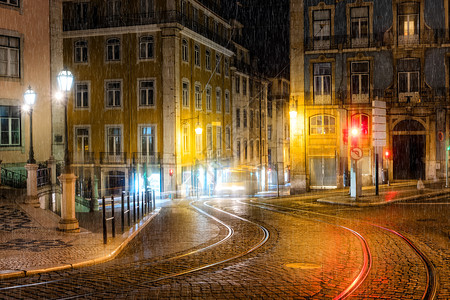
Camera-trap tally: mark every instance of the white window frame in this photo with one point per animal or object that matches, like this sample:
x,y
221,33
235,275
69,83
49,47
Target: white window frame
x,y
198,143
321,29
197,58
198,96
358,16
227,101
185,134
11,47
358,76
109,90
148,90
208,98
185,94
146,47
218,100
208,60
15,3
80,154
152,137
80,52
219,141
107,135
209,137
226,67
217,70
81,94
321,94
322,124
227,137
185,50
13,119
113,47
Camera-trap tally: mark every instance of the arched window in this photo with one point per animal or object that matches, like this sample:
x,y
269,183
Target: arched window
x,y
81,51
146,47
184,49
113,49
322,124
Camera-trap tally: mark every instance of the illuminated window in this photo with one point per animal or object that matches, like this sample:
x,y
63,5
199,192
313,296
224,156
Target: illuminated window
x,y
82,142
322,124
408,22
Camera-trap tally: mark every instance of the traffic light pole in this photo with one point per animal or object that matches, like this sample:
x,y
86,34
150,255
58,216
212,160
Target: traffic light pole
x,y
376,174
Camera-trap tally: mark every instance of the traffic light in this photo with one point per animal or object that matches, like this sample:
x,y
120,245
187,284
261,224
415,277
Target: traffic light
x,y
355,132
171,172
387,154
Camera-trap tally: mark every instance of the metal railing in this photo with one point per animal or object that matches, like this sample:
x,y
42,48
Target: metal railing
x,y
84,158
146,158
13,179
113,158
44,176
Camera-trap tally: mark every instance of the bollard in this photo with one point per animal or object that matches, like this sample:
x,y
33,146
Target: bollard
x,y
128,209
113,218
142,201
154,201
105,232
122,217
134,207
138,206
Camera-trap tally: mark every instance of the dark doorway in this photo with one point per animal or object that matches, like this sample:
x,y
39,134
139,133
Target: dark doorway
x,y
409,156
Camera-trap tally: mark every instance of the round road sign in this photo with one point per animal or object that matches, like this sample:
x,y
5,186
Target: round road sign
x,y
356,153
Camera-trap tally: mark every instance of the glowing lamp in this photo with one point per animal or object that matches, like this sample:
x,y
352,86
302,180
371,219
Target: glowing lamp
x,y
198,129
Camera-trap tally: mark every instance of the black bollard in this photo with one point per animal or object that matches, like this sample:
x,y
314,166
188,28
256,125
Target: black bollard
x,y
128,209
113,219
134,207
122,217
105,231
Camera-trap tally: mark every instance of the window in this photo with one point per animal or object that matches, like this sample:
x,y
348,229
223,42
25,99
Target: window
x,y
114,138
219,140
361,121
359,19
197,55
244,111
208,60
408,23
113,93
9,56
147,93
227,102
209,141
147,137
321,28
10,126
245,150
217,63
82,143
238,84
251,119
185,134
408,75
10,2
238,118
146,8
146,47
322,83
251,154
81,12
185,94
113,49
184,50
257,118
227,137
257,152
114,8
226,67
194,18
269,109
198,143
360,81
81,95
218,100
244,85
198,97
238,150
81,52
269,132
208,99
322,124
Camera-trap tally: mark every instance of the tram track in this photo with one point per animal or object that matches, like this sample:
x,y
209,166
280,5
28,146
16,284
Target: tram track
x,y
431,275
179,261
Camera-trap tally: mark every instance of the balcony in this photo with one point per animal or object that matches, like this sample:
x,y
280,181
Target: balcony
x,y
129,20
146,158
84,158
113,158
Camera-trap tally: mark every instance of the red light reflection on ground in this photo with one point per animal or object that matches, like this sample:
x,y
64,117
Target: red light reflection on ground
x,y
390,196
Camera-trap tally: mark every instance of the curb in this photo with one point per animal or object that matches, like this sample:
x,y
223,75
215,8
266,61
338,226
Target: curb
x,y
132,232
350,202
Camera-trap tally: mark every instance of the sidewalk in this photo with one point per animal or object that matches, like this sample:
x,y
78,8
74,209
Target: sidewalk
x,y
396,192
30,242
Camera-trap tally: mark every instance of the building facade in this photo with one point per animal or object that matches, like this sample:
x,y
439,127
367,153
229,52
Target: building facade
x,y
346,58
25,59
148,76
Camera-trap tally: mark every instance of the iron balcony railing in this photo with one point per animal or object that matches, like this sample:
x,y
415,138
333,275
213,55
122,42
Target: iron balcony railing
x,y
380,39
13,179
84,158
113,158
126,20
43,176
146,158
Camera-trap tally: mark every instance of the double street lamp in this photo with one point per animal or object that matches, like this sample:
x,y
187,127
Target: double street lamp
x,y
68,221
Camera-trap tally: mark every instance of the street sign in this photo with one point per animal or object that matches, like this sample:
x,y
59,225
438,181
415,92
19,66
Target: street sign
x,y
356,153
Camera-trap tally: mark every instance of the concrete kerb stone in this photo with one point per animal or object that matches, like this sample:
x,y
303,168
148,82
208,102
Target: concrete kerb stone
x,y
113,252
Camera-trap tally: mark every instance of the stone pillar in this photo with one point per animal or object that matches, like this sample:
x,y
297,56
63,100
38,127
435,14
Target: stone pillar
x,y
32,197
68,221
94,197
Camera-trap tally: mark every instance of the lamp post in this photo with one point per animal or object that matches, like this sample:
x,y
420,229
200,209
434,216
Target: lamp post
x,y
31,167
68,221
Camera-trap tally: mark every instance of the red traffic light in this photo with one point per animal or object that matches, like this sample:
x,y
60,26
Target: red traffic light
x,y
171,172
387,153
355,132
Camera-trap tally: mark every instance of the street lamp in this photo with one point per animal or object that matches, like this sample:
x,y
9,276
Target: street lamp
x,y
65,81
68,221
30,99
